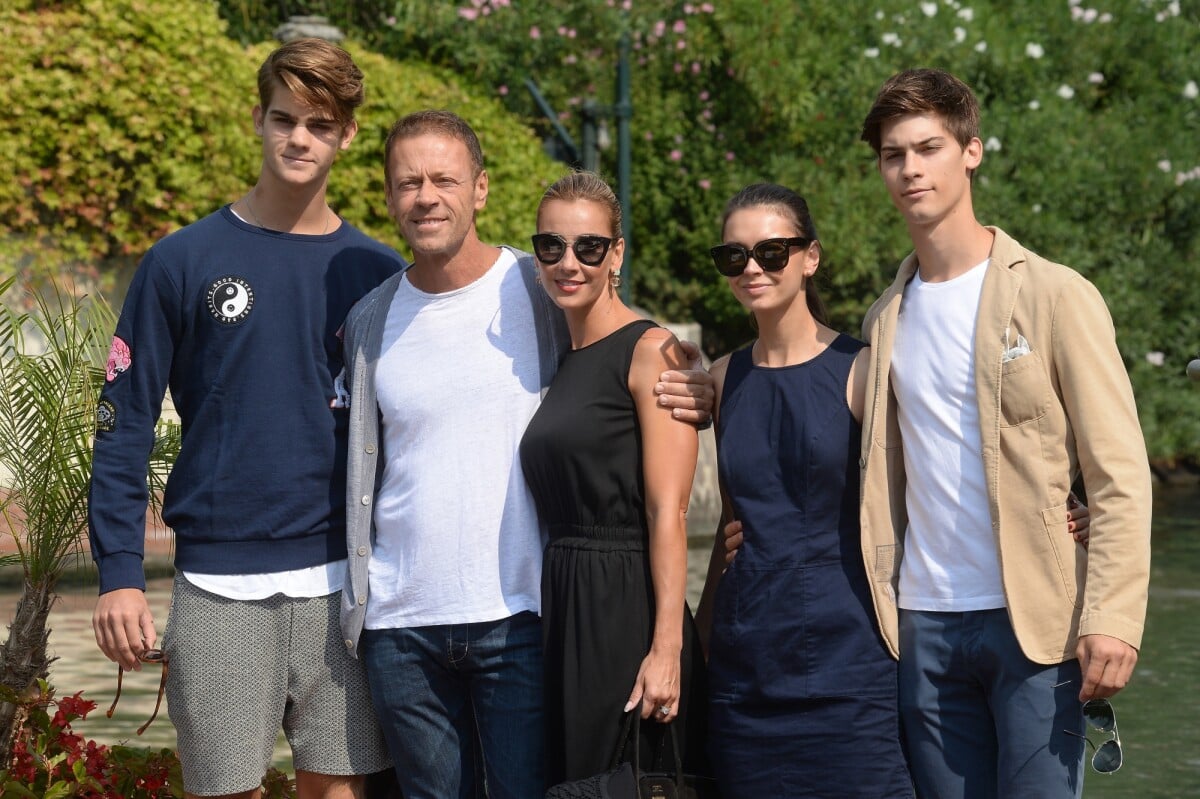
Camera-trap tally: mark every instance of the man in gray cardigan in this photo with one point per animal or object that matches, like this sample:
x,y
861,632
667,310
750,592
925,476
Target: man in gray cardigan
x,y
446,364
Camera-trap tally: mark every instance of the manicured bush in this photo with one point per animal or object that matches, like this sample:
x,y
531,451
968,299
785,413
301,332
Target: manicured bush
x,y
130,118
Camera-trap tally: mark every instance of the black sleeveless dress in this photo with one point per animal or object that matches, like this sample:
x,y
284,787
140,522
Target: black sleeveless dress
x,y
803,691
582,458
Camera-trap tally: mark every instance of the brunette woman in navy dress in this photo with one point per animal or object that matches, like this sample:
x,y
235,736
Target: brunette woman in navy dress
x,y
802,689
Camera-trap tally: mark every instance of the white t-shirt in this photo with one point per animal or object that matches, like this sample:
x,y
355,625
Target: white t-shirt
x,y
950,560
457,537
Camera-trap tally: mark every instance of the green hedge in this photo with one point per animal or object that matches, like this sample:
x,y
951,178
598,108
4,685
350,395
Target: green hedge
x,y
126,119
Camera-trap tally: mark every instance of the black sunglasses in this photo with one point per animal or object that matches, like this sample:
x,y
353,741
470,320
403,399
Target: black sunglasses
x,y
1100,716
589,250
771,254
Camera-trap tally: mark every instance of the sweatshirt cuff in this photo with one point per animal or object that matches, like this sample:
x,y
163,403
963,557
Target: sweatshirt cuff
x,y
121,570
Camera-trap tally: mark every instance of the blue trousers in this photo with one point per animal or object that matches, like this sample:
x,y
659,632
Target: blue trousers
x,y
442,691
979,719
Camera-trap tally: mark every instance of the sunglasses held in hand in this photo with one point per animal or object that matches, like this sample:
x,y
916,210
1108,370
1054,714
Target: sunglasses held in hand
x,y
771,254
589,250
1100,716
147,656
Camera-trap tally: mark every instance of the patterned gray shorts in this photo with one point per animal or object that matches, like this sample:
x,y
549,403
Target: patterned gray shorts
x,y
242,669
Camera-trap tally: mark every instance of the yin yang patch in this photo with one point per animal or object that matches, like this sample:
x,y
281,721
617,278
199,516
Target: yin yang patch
x,y
230,299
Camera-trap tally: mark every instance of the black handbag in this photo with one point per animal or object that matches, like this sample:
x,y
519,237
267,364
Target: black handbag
x,y
625,779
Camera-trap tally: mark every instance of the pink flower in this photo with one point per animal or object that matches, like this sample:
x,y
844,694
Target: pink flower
x,y
704,95
680,26
468,13
705,184
729,156
660,28
695,67
678,67
649,136
503,90
707,8
680,45
535,32
676,155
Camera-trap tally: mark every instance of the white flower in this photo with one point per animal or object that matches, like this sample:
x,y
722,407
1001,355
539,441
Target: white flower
x,y
1073,3
1105,18
1155,358
929,9
1190,91
981,47
1164,165
1096,78
960,35
890,38
878,15
967,13
871,52
1034,50
1034,105
1090,15
1037,208
1066,92
992,144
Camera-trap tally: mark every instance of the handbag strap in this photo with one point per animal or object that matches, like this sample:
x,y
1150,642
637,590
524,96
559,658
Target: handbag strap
x,y
631,732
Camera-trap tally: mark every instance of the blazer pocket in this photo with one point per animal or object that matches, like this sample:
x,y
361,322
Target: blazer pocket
x,y
1024,390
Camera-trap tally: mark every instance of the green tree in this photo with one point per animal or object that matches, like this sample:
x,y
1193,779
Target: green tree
x,y
52,366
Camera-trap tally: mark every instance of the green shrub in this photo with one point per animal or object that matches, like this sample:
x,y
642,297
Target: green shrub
x,y
127,119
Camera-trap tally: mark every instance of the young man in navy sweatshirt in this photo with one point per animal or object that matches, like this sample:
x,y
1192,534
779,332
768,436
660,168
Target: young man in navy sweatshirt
x,y
238,315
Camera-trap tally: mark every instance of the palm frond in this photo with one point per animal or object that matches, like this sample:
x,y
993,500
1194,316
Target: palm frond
x,y
52,366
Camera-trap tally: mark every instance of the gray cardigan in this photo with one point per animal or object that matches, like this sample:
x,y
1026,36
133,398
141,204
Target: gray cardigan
x,y
362,344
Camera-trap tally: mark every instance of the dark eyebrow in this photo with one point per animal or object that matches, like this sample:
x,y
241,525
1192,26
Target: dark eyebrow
x,y
896,148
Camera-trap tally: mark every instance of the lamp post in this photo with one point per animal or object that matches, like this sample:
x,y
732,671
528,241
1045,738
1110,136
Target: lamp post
x,y
594,138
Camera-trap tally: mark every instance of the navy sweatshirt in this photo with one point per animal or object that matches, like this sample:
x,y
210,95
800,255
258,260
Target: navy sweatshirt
x,y
243,325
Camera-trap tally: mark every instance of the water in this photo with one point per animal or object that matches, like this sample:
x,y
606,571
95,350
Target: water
x,y
1157,714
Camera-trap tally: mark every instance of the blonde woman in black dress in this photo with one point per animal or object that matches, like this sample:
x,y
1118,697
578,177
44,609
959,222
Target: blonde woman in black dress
x,y
611,472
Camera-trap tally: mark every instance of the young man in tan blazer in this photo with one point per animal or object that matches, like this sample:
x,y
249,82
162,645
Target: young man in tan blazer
x,y
996,382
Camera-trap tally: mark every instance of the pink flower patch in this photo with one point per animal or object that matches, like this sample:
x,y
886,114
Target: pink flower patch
x,y
118,358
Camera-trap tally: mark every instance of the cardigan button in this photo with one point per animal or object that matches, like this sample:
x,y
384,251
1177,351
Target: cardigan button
x,y
362,551
362,600
366,500
369,449
349,644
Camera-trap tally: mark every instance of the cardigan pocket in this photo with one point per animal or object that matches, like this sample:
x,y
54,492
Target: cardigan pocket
x,y
1024,390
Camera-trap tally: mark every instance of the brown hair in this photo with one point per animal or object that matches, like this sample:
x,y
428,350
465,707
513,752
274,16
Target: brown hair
x,y
320,74
923,91
438,123
791,206
587,186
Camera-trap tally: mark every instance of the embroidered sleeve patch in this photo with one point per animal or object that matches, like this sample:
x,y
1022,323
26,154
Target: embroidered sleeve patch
x,y
119,359
106,417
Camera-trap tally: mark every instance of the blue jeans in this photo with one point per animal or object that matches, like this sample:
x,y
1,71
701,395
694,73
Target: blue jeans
x,y
979,719
441,692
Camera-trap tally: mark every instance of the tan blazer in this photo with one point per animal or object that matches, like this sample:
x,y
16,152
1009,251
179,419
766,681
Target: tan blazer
x,y
1063,408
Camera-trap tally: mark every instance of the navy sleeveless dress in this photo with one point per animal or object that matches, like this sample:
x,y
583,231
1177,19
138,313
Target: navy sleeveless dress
x,y
582,458
802,690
